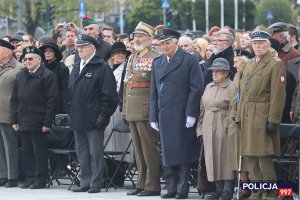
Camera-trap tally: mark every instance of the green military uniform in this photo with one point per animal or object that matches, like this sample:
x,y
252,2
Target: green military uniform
x,y
262,101
136,111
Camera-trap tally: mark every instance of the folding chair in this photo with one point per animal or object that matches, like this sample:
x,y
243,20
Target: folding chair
x,y
119,128
289,160
62,152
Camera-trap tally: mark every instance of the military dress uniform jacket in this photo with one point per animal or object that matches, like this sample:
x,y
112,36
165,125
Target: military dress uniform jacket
x,y
262,100
92,93
176,89
136,99
7,79
34,99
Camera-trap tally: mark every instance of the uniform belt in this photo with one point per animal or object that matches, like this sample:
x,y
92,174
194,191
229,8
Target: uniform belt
x,y
139,85
256,99
215,109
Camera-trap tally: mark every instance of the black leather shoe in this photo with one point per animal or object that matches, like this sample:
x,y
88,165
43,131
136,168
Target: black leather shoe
x,y
28,183
181,196
81,189
94,190
38,186
146,193
11,183
168,195
3,181
135,192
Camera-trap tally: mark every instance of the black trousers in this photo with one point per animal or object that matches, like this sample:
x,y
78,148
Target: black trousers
x,y
34,152
177,177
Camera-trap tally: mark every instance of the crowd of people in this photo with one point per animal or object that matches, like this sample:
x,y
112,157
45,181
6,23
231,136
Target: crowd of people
x,y
227,91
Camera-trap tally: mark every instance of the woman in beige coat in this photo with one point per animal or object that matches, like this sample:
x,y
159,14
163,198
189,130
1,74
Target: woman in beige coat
x,y
212,127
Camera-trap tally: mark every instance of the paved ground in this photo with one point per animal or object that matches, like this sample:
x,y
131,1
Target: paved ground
x,y
61,193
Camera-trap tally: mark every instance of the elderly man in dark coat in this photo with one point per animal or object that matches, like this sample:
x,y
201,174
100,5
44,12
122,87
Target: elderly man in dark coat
x,y
94,99
176,89
33,104
223,42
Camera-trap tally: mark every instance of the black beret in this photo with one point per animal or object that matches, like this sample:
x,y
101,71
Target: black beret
x,y
87,40
6,44
242,52
34,50
278,27
167,34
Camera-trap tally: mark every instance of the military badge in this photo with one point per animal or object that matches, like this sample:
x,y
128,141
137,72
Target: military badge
x,y
88,75
282,78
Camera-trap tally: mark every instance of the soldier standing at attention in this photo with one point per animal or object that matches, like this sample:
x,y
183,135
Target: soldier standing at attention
x,y
260,111
136,103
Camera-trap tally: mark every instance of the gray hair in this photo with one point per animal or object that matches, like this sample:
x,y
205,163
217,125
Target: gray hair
x,y
286,35
245,58
188,38
228,35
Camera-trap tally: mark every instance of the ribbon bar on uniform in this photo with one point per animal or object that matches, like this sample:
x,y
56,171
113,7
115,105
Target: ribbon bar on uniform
x,y
139,85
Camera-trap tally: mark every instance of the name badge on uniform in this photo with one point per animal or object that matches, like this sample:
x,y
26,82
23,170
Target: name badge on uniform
x,y
88,74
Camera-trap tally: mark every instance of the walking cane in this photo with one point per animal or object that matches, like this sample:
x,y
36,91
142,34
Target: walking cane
x,y
239,176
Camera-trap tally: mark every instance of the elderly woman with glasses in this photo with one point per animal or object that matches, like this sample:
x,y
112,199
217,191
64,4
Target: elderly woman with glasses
x,y
212,129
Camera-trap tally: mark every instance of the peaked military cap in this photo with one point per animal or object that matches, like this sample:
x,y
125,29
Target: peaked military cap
x,y
278,27
260,35
167,34
144,28
6,44
87,40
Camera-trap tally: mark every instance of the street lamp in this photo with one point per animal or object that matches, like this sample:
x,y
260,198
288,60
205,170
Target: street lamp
x,y
121,16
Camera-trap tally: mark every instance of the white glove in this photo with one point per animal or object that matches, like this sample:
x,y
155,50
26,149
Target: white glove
x,y
190,121
154,125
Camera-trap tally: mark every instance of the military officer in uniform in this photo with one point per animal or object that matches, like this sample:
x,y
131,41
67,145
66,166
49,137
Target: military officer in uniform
x,y
260,111
136,103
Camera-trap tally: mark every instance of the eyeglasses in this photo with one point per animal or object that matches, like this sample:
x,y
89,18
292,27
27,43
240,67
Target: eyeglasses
x,y
90,29
29,59
218,40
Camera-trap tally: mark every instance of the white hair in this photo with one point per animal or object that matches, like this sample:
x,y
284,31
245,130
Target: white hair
x,y
187,38
245,58
286,35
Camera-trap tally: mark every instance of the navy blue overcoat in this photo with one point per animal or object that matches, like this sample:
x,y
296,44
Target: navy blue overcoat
x,y
176,90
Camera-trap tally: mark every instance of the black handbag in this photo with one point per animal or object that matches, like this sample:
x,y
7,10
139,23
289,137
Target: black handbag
x,y
203,185
62,120
60,135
